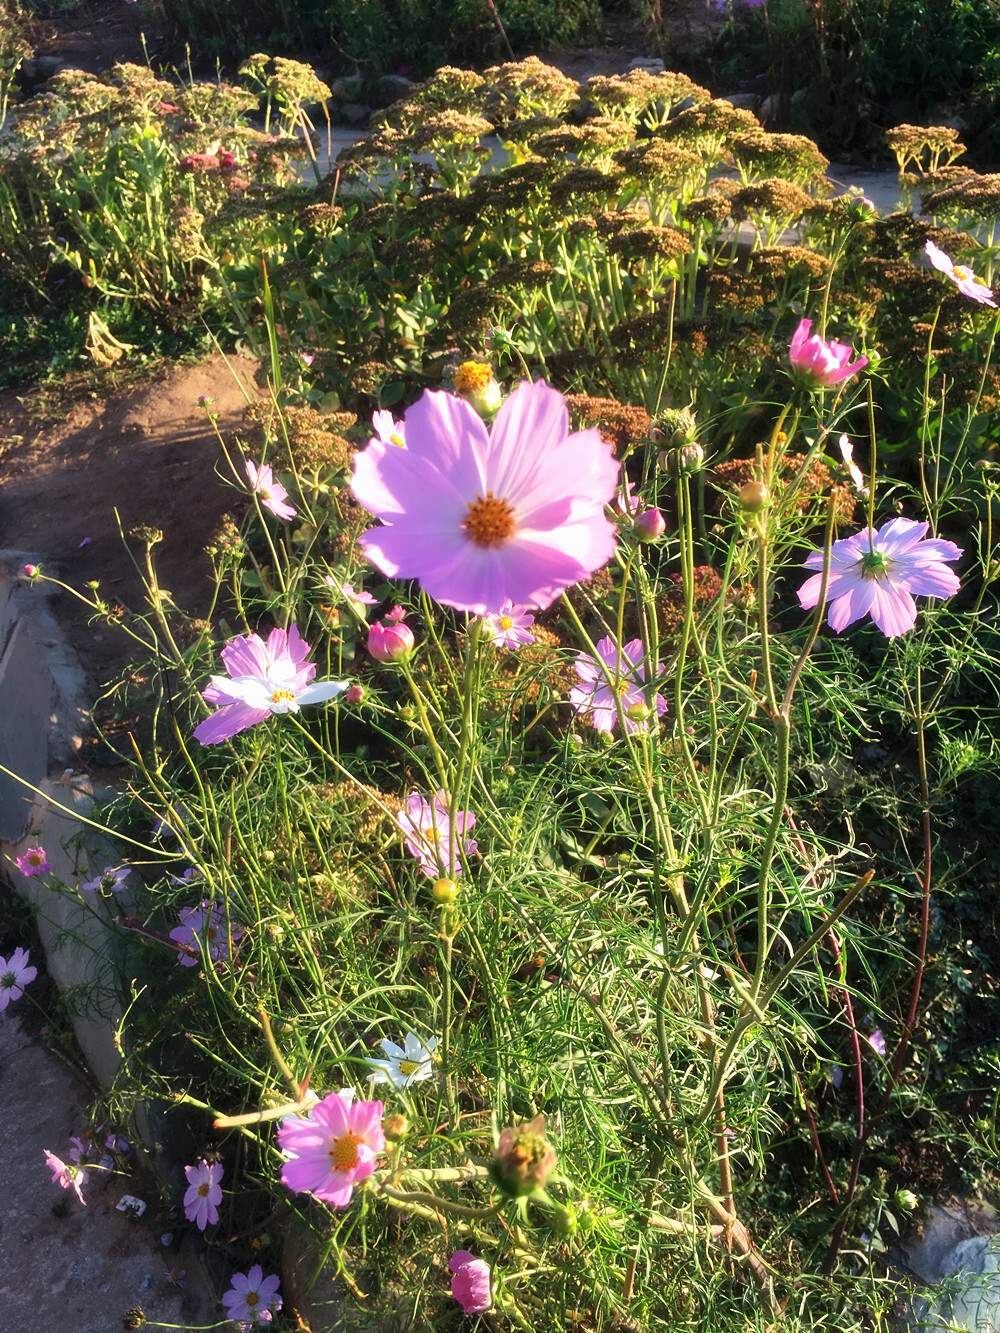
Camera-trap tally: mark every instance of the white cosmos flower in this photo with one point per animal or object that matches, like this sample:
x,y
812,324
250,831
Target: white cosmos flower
x,y
410,1063
276,692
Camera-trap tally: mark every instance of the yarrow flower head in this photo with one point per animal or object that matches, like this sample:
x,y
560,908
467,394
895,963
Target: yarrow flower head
x,y
252,1298
15,974
508,627
614,675
204,927
879,573
204,1193
33,862
816,362
110,880
332,1148
271,494
69,1175
410,1063
426,826
963,277
483,517
470,1285
265,678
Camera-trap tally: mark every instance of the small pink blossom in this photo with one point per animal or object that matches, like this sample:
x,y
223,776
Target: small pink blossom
x,y
878,573
201,927
390,643
354,694
252,1297
963,277
483,516
271,494
877,1042
470,1284
396,614
204,1193
508,627
388,430
821,363
15,974
610,676
357,600
33,862
332,1148
69,1175
426,826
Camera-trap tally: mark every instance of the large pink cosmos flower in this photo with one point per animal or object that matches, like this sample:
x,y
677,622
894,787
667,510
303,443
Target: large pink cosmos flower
x,y
266,678
879,572
427,827
332,1148
963,278
482,516
821,363
627,677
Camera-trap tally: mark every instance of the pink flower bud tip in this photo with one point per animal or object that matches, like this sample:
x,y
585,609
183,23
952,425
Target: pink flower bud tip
x,y
390,643
650,525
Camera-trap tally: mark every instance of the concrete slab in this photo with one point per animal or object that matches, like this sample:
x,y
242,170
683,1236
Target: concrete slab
x,y
26,691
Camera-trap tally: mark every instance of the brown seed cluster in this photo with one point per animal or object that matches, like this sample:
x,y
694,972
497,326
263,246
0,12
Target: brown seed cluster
x,y
620,424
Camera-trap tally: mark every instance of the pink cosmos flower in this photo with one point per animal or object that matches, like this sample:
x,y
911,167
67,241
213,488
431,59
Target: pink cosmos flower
x,y
508,628
204,926
821,363
357,600
963,277
471,1282
271,494
266,678
877,1042
650,525
70,1175
390,643
397,613
388,429
15,974
427,829
252,1297
879,572
612,674
482,516
332,1148
33,862
204,1193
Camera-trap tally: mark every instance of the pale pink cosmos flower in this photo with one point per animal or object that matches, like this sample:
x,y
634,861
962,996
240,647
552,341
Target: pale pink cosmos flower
x,y
877,1042
358,600
856,475
471,1282
482,516
204,1193
879,573
15,974
266,678
332,1148
271,494
388,429
426,826
612,674
33,862
397,613
821,363
508,627
252,1298
69,1175
963,277
204,926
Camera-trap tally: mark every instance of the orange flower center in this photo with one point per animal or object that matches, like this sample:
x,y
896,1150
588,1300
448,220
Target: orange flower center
x,y
35,858
506,622
472,375
344,1153
961,273
489,521
283,696
252,1298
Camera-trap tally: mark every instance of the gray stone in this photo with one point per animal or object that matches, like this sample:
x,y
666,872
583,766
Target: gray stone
x,y
769,107
745,101
649,63
29,71
968,1301
346,89
26,691
392,88
355,114
49,66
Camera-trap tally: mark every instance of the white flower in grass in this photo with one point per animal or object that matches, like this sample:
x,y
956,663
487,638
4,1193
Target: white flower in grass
x,y
410,1063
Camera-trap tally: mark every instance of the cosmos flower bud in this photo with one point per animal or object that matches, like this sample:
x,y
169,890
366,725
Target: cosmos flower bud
x,y
395,1127
650,525
445,891
679,425
753,496
523,1159
906,1201
354,694
31,572
390,643
474,381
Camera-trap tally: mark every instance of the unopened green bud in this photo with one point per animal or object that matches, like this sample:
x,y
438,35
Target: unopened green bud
x,y
524,1157
445,891
753,496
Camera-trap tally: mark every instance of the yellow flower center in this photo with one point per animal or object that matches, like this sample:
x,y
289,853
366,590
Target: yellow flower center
x,y
283,696
472,375
621,688
960,273
344,1153
408,1067
35,858
490,521
506,622
398,441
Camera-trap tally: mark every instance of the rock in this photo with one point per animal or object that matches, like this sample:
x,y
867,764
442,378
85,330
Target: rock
x,y
768,109
28,71
968,1301
649,63
392,88
48,66
353,113
746,101
347,89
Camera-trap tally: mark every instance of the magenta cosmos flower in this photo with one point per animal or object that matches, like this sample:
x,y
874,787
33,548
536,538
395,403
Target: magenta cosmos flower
x,y
33,862
265,678
332,1148
612,675
427,829
271,494
471,1282
879,572
390,642
821,363
963,278
252,1297
204,1193
482,516
204,927
508,627
14,976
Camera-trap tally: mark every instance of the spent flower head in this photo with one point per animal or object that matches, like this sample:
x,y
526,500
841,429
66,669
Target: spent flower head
x,y
524,1159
